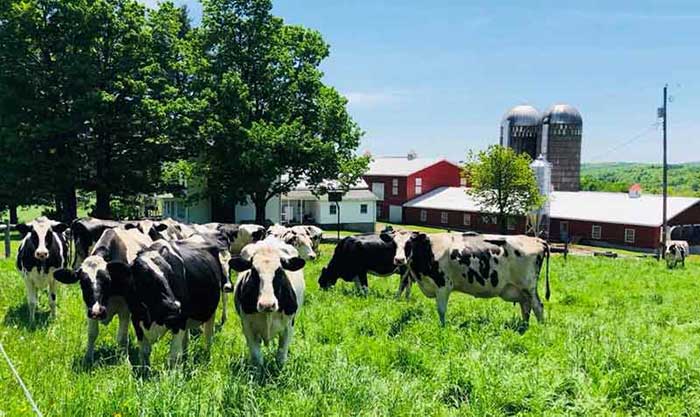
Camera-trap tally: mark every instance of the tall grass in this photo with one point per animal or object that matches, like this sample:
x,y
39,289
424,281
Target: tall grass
x,y
622,338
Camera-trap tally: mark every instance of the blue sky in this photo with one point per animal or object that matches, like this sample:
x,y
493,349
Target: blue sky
x,y
437,76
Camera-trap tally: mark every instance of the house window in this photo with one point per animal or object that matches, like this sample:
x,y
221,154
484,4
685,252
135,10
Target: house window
x,y
512,223
629,235
488,219
332,209
379,210
596,232
462,182
444,217
395,186
467,219
419,186
363,208
424,215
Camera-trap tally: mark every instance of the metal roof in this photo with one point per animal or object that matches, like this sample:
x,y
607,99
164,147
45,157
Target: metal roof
x,y
568,205
352,195
523,115
401,166
562,114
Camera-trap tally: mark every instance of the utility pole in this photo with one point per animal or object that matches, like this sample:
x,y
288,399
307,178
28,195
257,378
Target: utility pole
x,y
664,114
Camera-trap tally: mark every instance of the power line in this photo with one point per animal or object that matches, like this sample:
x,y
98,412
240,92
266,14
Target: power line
x,y
629,141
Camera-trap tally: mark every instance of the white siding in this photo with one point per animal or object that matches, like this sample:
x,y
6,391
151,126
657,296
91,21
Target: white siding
x,y
245,213
349,212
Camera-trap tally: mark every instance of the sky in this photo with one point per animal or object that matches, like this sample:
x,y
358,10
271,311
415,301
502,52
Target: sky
x,y
437,76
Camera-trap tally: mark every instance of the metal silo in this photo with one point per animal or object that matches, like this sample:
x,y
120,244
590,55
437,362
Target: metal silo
x,y
562,128
520,130
539,219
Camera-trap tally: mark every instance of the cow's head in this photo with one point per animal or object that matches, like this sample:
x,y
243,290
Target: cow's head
x,y
96,284
419,253
41,235
153,230
302,243
327,279
399,238
265,287
149,280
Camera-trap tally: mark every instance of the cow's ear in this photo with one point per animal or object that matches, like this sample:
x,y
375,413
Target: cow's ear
x,y
385,237
118,271
23,229
59,227
65,276
238,264
258,235
129,226
160,227
293,264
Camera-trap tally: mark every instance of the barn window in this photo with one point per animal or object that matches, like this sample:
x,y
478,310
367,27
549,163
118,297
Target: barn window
x,y
419,186
444,217
332,209
629,235
512,223
395,186
596,232
363,208
467,219
424,215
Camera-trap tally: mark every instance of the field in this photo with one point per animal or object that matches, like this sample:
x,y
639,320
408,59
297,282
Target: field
x,y
683,179
622,338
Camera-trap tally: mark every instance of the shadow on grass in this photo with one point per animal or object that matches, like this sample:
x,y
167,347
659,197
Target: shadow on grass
x,y
104,356
243,370
517,324
18,316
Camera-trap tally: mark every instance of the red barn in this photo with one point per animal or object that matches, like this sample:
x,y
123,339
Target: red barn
x,y
395,180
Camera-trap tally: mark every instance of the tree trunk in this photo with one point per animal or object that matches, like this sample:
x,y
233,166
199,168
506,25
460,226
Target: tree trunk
x,y
13,214
70,204
102,207
260,202
503,223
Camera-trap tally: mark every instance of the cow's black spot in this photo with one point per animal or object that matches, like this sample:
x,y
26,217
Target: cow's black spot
x,y
495,260
454,255
505,252
494,278
474,275
485,265
517,253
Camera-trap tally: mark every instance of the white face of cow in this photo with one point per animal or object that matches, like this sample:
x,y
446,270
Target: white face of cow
x,y
42,232
400,238
302,243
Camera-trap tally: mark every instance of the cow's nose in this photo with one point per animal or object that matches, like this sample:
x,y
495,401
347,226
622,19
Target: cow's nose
x,y
97,312
41,254
312,257
267,306
399,261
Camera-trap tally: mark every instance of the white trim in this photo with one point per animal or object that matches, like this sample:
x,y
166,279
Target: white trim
x,y
596,232
419,186
630,235
444,217
467,219
424,216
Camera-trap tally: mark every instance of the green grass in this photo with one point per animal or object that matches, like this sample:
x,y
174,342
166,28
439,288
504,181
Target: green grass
x,y
622,338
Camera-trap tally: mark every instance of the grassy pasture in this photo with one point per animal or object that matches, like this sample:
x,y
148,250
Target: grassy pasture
x,y
622,338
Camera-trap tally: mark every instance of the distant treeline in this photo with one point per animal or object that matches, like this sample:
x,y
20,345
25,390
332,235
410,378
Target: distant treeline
x,y
683,179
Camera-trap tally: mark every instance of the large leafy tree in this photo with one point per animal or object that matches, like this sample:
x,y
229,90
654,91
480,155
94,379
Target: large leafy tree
x,y
502,181
271,122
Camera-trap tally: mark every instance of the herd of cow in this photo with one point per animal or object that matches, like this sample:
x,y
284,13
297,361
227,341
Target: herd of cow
x,y
164,276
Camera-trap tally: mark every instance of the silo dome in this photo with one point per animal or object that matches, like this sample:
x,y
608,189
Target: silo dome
x,y
523,115
562,114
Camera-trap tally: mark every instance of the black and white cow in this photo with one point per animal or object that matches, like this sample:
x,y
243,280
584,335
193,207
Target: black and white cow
x,y
171,286
484,266
239,235
43,250
315,233
676,252
356,256
104,297
85,232
268,294
167,229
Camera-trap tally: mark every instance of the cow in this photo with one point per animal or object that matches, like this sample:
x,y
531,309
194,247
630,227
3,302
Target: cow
x,y
268,294
356,256
85,232
676,252
102,295
239,235
301,241
484,266
171,286
43,250
167,229
315,233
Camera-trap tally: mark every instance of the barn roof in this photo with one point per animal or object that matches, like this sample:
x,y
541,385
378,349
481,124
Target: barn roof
x,y
567,205
401,166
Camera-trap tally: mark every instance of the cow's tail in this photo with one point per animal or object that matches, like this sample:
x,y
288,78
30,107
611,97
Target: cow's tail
x,y
547,291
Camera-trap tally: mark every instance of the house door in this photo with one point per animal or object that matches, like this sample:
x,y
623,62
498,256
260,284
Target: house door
x,y
564,231
395,214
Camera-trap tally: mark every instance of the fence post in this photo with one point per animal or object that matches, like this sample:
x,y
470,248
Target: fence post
x,y
7,238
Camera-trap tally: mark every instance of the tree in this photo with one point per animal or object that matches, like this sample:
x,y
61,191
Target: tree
x,y
502,181
271,122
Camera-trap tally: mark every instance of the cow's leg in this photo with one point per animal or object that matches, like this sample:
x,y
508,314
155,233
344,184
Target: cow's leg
x,y
93,329
176,348
364,286
404,283
52,296
285,340
145,352
224,314
441,297
525,305
31,298
537,306
185,341
123,330
253,345
209,332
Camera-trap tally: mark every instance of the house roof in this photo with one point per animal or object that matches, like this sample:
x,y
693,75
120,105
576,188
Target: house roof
x,y
567,205
401,166
352,195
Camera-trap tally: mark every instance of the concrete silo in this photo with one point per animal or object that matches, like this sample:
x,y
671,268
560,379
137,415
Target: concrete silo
x,y
520,130
562,127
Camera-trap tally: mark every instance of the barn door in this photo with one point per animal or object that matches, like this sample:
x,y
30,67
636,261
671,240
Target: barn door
x,y
395,214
